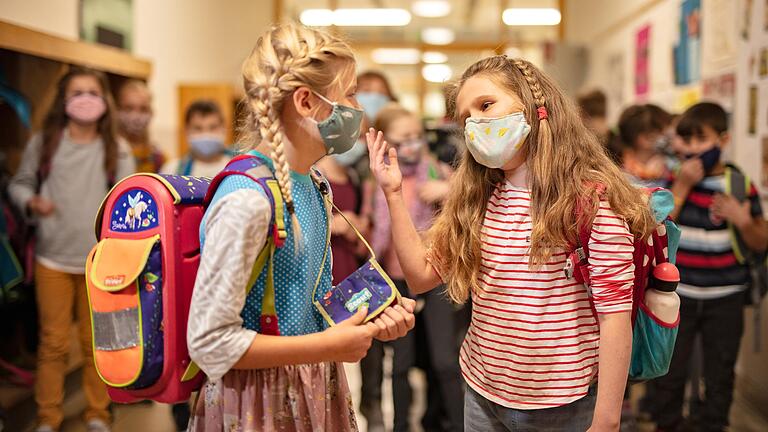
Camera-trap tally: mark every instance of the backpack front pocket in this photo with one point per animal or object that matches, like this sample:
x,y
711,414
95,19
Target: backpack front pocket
x,y
125,297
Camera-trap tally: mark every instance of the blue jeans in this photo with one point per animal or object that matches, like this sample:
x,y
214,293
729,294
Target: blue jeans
x,y
482,415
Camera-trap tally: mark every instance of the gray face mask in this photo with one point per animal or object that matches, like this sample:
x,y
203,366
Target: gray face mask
x,y
351,157
341,129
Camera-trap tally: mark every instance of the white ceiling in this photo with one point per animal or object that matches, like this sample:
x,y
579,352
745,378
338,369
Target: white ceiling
x,y
472,21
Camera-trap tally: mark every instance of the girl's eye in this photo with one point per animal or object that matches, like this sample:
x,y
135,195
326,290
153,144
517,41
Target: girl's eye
x,y
486,105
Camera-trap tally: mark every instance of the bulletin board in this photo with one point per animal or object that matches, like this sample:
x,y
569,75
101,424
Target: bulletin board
x,y
752,90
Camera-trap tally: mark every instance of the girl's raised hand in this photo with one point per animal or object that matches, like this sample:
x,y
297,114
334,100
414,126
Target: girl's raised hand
x,y
388,175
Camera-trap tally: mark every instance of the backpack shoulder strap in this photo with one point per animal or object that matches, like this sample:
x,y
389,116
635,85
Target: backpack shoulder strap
x,y
255,169
185,166
737,185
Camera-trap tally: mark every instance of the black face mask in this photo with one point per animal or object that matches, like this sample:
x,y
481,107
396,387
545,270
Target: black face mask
x,y
709,158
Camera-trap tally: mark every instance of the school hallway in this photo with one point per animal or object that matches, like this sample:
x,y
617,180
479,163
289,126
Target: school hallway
x,y
225,188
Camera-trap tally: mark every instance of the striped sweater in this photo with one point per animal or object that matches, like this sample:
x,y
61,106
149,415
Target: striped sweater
x,y
708,266
533,340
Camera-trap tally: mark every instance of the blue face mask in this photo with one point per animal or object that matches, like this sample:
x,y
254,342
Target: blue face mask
x,y
206,145
709,158
341,129
372,103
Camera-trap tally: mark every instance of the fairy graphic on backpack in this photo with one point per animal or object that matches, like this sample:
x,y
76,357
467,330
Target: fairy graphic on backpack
x,y
135,211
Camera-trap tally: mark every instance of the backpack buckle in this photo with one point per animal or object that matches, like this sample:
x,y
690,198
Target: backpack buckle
x,y
570,266
576,258
279,235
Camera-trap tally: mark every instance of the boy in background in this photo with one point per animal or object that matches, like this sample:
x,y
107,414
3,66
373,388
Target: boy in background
x,y
713,281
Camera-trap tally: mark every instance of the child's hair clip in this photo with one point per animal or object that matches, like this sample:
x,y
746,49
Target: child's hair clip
x,y
542,112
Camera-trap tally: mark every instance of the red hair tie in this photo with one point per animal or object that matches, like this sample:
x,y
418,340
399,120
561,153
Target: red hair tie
x,y
542,113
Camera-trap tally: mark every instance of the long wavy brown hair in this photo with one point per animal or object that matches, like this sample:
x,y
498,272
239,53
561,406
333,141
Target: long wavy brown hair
x,y
57,119
567,167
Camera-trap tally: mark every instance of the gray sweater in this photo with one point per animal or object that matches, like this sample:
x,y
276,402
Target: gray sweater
x,y
76,185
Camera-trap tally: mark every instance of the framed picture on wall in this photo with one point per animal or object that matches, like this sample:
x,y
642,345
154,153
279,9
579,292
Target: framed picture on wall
x,y
752,116
764,173
642,58
108,22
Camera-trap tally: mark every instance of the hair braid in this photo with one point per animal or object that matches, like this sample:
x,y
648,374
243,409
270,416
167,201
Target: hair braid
x,y
285,58
533,83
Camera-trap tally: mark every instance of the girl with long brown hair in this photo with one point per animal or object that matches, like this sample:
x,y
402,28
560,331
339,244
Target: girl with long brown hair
x,y
64,174
536,355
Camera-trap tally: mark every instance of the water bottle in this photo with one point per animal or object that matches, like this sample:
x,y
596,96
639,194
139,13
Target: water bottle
x,y
660,297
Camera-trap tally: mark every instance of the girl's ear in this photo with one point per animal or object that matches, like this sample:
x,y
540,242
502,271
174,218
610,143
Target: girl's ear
x,y
303,101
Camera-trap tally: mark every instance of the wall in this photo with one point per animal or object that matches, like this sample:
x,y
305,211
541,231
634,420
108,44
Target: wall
x,y
191,41
602,25
59,17
186,40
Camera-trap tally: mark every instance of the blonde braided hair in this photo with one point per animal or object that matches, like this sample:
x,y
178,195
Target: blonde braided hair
x,y
287,57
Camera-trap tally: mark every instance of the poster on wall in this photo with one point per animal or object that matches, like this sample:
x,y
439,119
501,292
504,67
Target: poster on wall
x,y
719,37
765,15
746,22
108,22
752,116
720,89
614,86
687,52
765,163
642,69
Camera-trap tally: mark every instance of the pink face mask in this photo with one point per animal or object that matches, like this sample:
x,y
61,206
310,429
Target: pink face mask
x,y
134,123
85,108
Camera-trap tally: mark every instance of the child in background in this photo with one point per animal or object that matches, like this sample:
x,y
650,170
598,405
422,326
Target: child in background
x,y
712,282
206,135
594,112
536,356
134,112
423,188
641,135
300,86
374,92
65,173
346,246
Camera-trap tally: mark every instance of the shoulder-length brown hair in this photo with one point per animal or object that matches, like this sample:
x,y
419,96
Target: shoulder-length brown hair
x,y
565,163
57,120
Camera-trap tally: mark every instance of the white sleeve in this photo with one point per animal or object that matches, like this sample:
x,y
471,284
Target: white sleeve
x,y
235,231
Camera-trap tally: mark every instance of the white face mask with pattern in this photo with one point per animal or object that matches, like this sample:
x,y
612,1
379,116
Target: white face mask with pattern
x,y
495,141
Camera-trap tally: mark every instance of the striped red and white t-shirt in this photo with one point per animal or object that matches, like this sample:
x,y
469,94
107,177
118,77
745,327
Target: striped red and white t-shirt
x,y
533,341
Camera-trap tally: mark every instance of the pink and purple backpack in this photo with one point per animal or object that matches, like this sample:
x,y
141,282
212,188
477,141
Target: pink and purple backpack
x,y
141,274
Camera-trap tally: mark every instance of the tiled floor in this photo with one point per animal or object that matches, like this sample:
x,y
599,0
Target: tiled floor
x,y
157,417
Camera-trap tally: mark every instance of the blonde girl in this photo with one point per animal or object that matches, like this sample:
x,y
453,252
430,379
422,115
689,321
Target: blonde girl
x,y
300,92
536,356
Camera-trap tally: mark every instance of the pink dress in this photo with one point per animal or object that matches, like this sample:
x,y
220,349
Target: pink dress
x,y
286,398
